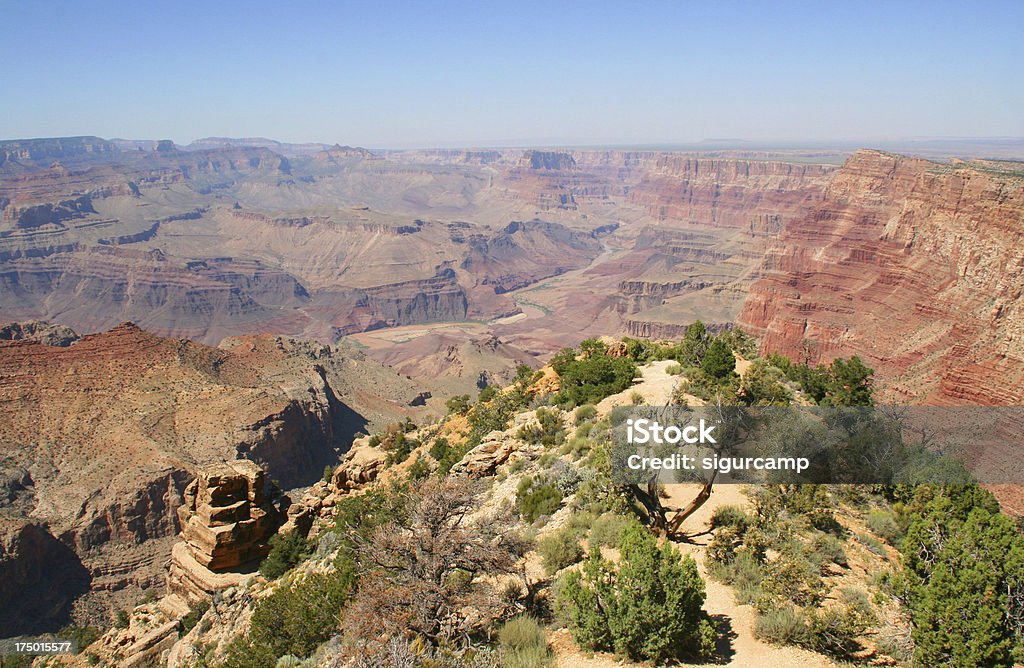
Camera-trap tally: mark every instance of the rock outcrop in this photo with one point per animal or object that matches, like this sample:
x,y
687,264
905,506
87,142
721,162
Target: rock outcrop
x,y
229,513
44,332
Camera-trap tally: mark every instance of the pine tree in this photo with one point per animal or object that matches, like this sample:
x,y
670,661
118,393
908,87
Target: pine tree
x,y
719,361
963,564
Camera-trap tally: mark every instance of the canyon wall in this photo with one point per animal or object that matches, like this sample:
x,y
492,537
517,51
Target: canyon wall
x,y
915,266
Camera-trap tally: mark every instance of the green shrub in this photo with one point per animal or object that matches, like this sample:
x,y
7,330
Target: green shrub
x,y
608,530
294,619
328,473
458,405
487,394
961,560
536,500
871,543
286,551
762,385
829,550
833,630
674,369
744,574
646,607
559,550
702,384
883,524
189,621
419,468
547,460
592,377
740,342
793,576
523,644
719,361
730,516
82,635
121,619
783,625
579,523
439,448
585,413
723,546
399,447
548,430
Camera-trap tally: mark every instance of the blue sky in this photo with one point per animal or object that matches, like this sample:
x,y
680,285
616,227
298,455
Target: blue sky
x,y
390,74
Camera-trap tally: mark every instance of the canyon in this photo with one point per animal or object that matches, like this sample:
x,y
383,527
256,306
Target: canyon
x,y
176,307
907,262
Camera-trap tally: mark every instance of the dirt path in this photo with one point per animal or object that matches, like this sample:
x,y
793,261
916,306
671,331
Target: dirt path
x,y
738,646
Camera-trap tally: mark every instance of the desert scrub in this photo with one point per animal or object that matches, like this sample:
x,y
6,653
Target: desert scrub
x,y
189,621
286,551
883,524
608,530
535,499
730,516
523,644
829,550
792,576
873,545
648,606
784,625
833,630
549,430
585,413
744,574
674,369
559,550
294,619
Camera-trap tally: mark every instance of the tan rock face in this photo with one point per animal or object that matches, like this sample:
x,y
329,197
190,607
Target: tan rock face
x,y
230,511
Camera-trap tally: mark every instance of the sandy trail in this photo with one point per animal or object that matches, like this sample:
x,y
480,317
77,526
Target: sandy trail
x,y
737,644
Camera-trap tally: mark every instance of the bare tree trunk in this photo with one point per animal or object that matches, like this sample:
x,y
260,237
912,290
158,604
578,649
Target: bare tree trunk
x,y
651,502
705,493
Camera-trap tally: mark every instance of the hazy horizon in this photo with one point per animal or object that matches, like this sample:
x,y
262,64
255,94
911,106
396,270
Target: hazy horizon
x,y
404,75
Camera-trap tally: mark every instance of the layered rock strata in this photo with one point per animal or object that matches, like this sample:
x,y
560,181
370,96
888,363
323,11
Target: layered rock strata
x,y
229,512
915,266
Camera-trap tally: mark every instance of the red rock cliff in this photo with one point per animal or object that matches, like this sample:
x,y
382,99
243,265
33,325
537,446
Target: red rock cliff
x,y
913,265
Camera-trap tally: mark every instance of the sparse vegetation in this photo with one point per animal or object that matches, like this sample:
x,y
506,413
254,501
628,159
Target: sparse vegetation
x,y
549,430
189,621
294,619
559,550
286,550
523,644
608,529
535,499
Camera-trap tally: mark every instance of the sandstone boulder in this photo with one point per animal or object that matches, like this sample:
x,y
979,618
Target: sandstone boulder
x,y
496,449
